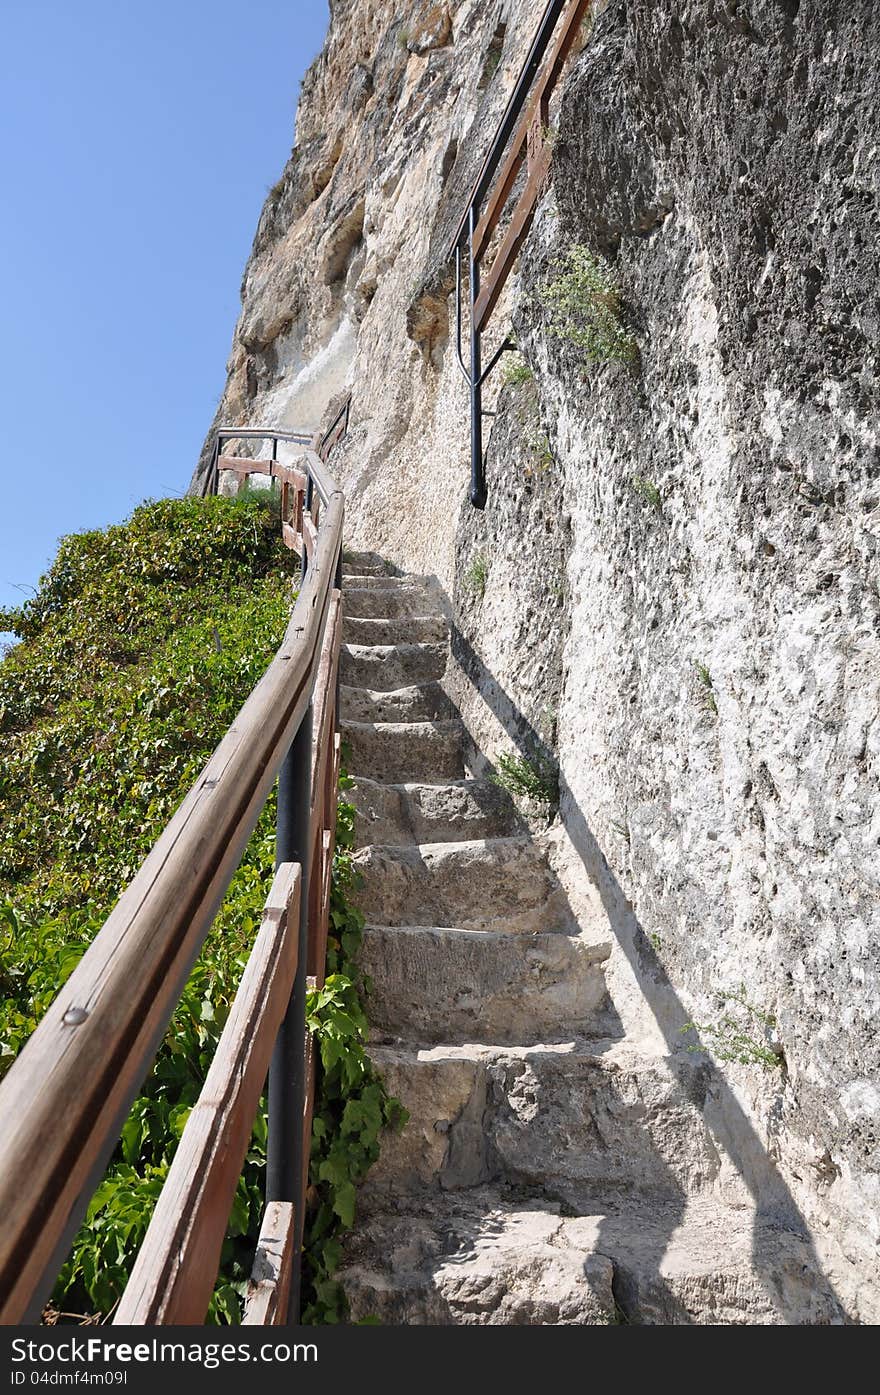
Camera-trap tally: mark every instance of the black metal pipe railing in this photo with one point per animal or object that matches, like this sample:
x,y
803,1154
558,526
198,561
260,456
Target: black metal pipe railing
x,y
286,1150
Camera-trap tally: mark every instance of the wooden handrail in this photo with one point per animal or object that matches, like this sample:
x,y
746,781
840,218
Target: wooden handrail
x,y
64,1100
521,137
529,140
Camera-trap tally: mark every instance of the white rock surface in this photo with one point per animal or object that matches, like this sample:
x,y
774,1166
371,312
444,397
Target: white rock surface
x,y
707,674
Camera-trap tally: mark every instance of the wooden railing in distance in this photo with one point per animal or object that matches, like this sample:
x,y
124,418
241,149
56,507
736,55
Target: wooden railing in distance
x,y
65,1099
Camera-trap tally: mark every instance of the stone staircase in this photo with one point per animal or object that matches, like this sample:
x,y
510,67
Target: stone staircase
x,y
549,1172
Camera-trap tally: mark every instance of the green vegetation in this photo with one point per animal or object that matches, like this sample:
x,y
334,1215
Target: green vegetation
x,y
352,1106
704,678
733,1036
138,650
584,308
648,492
526,779
516,371
491,65
541,452
477,575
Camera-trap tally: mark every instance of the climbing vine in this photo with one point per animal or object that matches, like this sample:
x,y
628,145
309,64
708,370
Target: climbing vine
x,y
352,1106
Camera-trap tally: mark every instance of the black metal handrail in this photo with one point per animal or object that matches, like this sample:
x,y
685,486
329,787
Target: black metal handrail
x,y
521,135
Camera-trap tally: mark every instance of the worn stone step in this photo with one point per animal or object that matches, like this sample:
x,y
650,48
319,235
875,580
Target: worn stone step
x,y
502,884
485,1261
420,702
364,562
412,629
433,984
387,582
390,601
573,1119
486,1257
426,813
402,751
383,668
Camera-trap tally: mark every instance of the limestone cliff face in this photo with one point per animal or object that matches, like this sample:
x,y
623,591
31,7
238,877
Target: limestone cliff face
x,y
681,589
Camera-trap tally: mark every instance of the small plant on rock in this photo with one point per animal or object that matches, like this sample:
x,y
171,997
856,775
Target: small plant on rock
x,y
733,1036
542,452
477,575
491,65
517,371
525,779
704,678
583,302
648,492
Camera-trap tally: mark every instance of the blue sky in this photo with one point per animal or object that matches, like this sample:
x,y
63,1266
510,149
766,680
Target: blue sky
x,y
137,143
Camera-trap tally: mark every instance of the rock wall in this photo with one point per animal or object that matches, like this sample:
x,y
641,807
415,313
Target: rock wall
x,y
673,591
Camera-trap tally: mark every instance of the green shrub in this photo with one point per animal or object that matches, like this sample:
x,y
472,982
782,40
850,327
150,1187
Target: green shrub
x,y
136,654
584,308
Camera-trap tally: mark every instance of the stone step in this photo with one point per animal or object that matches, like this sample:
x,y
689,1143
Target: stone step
x,y
385,668
351,557
417,586
490,1258
424,813
571,1119
402,751
502,884
422,702
432,984
485,1261
412,629
388,602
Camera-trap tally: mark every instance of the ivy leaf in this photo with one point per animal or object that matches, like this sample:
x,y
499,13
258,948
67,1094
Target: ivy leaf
x,y
344,1199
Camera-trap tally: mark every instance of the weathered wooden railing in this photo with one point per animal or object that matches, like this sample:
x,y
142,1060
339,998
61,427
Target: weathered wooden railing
x,y
64,1101
522,137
